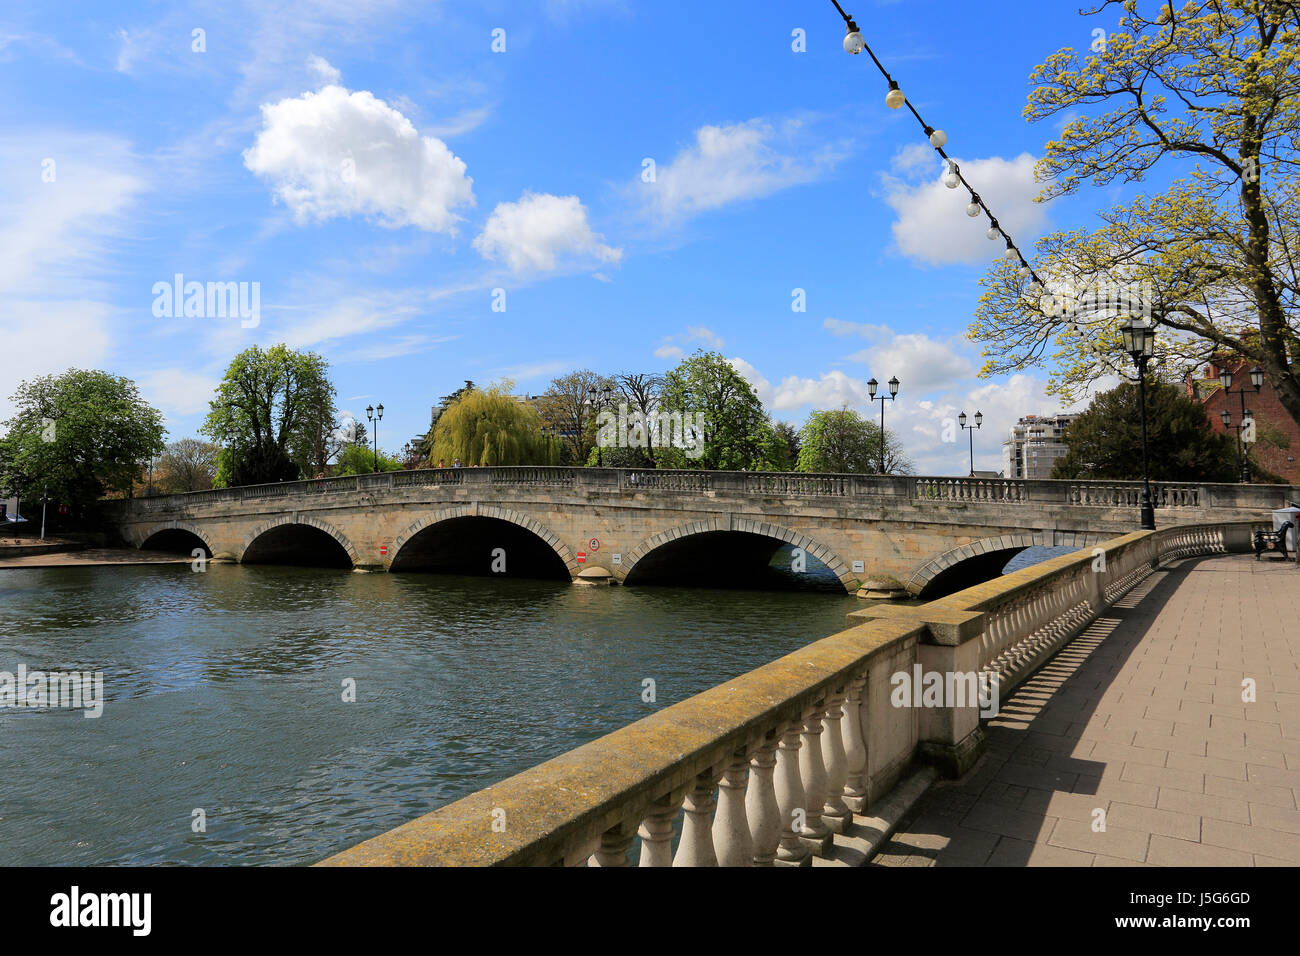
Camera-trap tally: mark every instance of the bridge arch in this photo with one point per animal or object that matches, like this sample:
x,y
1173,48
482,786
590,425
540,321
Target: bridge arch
x,y
765,529
516,518
157,530
310,521
985,558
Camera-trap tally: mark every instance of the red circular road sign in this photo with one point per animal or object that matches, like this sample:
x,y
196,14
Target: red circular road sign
x,y
582,557
594,544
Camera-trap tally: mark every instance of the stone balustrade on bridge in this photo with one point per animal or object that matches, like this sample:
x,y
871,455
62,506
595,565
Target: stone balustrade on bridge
x,y
930,534
780,765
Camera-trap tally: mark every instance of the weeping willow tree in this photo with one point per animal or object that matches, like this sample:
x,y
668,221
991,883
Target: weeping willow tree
x,y
489,427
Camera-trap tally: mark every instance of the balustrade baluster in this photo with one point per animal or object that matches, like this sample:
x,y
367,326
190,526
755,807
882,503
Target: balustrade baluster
x,y
813,771
731,837
761,806
835,812
696,846
656,832
790,796
855,747
614,844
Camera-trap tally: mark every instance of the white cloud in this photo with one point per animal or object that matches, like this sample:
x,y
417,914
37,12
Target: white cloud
x,y
539,232
695,333
177,392
336,153
726,164
58,232
919,361
932,225
323,70
923,415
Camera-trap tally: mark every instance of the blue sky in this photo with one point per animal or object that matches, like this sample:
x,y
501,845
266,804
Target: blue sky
x,y
379,170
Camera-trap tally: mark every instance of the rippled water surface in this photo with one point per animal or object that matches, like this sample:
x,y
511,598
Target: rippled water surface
x,y
224,693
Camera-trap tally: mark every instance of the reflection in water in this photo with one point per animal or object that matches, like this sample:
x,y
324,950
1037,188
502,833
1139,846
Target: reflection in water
x,y
224,691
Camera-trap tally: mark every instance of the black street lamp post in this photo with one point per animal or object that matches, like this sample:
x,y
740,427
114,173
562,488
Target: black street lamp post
x,y
1140,343
872,385
591,396
1257,382
375,416
979,423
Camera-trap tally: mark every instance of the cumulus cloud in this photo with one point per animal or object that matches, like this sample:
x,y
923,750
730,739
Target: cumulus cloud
x,y
540,232
335,153
922,362
727,164
932,225
694,333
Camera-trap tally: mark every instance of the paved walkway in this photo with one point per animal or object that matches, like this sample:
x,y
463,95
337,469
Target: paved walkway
x,y
1141,719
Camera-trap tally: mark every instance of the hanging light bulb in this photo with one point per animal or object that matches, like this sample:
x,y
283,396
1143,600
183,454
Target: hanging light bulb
x,y
938,138
973,209
894,99
1024,271
993,233
950,178
1035,288
853,42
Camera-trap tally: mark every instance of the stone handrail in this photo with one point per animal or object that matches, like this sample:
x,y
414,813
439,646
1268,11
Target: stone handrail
x,y
1167,496
787,752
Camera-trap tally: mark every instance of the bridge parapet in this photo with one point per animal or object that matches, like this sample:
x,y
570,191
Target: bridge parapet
x,y
1168,496
788,751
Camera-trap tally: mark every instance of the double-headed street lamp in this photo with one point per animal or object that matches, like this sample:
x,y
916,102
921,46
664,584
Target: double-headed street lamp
x,y
591,396
375,419
1140,343
1257,382
979,423
872,385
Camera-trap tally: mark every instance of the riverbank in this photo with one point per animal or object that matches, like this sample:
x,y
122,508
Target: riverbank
x,y
18,557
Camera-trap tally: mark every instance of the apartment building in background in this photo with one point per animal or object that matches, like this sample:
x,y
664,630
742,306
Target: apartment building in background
x,y
1034,444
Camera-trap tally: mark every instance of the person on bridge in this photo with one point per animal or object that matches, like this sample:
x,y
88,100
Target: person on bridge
x,y
456,463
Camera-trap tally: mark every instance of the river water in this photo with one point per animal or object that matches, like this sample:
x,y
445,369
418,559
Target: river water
x,y
224,694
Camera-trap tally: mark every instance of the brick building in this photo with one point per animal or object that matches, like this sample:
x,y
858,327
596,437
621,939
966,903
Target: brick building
x,y
1271,419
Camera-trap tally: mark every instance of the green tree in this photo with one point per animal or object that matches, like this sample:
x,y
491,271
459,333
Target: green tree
x,y
79,435
844,442
356,459
1210,92
267,411
793,444
736,433
488,427
1106,440
186,465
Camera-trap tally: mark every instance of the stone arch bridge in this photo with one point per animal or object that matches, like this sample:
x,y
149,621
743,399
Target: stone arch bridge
x,y
934,535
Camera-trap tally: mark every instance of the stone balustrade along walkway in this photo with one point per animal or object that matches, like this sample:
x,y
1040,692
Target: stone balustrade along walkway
x,y
1141,718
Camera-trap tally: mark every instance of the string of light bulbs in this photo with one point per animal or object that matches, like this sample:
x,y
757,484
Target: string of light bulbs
x,y
895,99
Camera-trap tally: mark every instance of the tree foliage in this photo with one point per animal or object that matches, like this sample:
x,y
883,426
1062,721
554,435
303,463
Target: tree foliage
x,y
569,407
842,441
488,427
186,465
354,459
79,435
269,411
1210,92
1106,440
737,433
